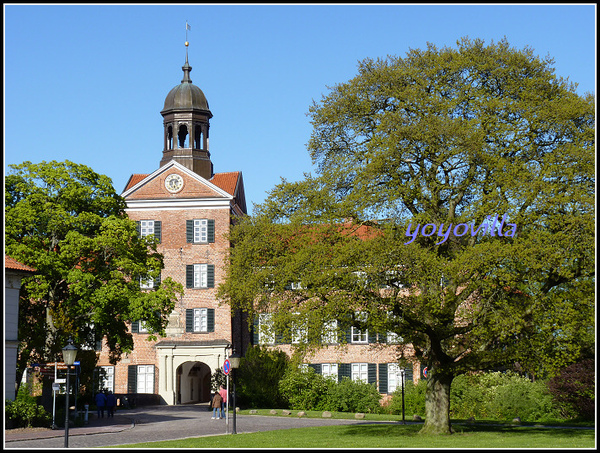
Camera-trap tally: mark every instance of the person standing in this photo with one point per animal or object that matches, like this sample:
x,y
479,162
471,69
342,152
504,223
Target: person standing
x,y
223,393
217,401
100,403
111,403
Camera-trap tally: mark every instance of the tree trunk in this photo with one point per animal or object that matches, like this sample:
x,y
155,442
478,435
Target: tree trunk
x,y
437,404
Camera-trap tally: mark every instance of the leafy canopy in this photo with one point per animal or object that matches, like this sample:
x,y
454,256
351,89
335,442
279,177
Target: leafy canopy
x,y
68,223
440,137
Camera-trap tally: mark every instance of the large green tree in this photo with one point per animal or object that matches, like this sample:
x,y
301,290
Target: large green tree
x,y
451,138
68,223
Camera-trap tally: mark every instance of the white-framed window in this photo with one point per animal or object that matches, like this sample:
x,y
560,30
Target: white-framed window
x,y
145,379
265,329
299,332
360,372
200,320
330,370
394,378
200,230
146,283
146,227
107,378
200,275
329,335
358,336
142,327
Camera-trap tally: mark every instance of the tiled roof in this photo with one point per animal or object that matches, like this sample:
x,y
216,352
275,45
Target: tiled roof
x,y
133,180
226,181
11,263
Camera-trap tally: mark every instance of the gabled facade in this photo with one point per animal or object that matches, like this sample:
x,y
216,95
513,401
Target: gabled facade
x,y
189,209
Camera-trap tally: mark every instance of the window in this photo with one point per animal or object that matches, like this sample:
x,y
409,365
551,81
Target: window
x,y
329,370
357,335
265,329
148,227
200,231
145,379
360,372
200,276
329,335
146,283
393,371
106,379
200,320
299,332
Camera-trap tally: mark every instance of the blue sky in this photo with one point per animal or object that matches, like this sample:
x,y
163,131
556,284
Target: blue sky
x,y
87,83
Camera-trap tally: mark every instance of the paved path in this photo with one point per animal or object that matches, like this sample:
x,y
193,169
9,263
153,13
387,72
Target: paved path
x,y
155,423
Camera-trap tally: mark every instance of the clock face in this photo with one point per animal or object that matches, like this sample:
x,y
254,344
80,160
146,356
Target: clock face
x,y
174,183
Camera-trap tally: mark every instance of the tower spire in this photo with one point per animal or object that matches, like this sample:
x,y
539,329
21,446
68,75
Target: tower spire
x,y
186,67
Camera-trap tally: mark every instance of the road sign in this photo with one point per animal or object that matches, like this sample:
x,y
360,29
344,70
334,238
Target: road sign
x,y
226,367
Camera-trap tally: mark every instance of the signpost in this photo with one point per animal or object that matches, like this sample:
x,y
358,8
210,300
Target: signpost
x,y
227,370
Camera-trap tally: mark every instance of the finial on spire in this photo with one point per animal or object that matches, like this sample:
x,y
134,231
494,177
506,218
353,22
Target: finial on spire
x,y
186,67
187,27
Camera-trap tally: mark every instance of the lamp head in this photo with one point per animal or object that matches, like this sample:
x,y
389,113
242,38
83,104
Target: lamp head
x,y
69,353
234,359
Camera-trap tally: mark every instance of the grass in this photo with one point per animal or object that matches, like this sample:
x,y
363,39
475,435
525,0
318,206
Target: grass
x,y
393,435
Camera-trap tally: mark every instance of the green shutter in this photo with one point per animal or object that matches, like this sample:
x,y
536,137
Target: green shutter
x,y
158,230
317,367
372,373
132,379
255,327
210,275
211,230
344,370
383,378
210,320
138,227
135,327
189,276
189,320
156,281
189,230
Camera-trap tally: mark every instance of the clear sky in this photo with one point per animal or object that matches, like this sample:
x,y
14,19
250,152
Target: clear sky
x,y
87,83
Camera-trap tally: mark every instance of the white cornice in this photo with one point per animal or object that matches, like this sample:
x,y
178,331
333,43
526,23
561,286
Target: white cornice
x,y
178,203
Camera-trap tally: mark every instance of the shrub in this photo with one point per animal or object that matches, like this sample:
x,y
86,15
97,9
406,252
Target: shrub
x,y
414,399
500,396
24,411
305,389
353,396
573,389
258,378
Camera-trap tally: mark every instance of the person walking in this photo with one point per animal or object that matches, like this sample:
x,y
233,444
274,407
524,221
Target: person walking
x,y
111,403
217,401
100,403
223,393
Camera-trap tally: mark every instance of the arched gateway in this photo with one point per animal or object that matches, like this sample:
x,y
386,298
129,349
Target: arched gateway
x,y
185,369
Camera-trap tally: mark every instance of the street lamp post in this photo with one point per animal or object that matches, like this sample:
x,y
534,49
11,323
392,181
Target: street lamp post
x,y
402,371
69,354
234,360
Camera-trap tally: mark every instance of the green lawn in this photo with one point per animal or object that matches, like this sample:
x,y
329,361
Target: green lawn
x,y
386,435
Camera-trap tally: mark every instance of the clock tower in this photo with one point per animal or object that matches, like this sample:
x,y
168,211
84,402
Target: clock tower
x,y
186,122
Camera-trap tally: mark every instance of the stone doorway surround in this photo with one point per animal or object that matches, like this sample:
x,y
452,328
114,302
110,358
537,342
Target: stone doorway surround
x,y
179,358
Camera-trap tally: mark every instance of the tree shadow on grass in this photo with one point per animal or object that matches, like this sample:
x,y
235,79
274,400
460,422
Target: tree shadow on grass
x,y
398,430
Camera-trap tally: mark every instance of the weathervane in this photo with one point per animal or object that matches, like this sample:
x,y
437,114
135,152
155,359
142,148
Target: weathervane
x,y
187,27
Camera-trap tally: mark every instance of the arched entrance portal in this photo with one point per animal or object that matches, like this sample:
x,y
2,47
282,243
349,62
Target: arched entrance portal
x,y
193,383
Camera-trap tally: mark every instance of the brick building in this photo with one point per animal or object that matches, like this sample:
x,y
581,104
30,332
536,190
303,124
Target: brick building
x,y
189,208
